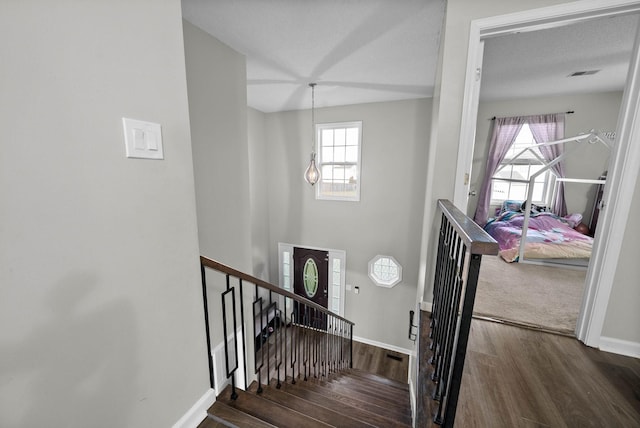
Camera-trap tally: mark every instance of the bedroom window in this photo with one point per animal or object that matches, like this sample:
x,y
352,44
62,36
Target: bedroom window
x,y
339,160
511,180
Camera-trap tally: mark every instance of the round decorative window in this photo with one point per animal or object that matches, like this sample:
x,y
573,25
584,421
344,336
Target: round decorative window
x,y
310,277
385,271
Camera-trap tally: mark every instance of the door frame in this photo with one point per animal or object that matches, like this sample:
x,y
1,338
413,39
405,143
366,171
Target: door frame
x,y
333,255
625,156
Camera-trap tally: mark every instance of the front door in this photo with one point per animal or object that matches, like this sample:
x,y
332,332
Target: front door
x,y
310,280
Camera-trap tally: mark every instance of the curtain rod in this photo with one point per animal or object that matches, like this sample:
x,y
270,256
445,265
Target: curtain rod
x,y
566,112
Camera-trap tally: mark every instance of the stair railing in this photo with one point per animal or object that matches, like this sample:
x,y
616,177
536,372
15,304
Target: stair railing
x,y
461,244
291,336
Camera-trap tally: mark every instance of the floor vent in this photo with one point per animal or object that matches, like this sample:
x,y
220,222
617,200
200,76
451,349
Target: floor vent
x,y
394,357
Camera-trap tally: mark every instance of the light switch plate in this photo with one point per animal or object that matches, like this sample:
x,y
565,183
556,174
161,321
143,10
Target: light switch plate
x,y
143,140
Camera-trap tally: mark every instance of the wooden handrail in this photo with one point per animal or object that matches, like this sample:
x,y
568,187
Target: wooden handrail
x,y
474,237
253,280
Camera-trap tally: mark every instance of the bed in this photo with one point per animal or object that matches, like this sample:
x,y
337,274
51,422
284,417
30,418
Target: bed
x,y
548,236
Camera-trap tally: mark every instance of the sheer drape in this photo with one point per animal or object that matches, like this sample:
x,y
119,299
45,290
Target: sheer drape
x,y
505,131
545,128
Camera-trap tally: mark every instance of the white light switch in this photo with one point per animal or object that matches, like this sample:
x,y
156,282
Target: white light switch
x,y
138,139
142,139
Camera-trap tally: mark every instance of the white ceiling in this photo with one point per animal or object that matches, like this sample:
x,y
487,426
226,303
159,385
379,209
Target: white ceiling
x,y
539,63
360,51
356,51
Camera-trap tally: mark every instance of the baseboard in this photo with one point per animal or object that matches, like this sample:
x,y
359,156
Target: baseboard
x,y
383,345
618,346
426,306
196,414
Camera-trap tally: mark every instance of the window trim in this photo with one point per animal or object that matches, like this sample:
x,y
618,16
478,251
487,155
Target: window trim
x,y
319,127
379,281
548,181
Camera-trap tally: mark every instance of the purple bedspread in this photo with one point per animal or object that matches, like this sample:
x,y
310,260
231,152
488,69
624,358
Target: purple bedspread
x,y
548,237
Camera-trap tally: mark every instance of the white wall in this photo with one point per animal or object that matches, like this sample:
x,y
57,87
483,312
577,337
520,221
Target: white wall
x,y
622,321
216,81
100,308
386,221
591,111
217,84
259,185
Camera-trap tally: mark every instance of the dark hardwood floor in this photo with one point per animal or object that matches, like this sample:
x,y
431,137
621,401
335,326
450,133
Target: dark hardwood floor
x,y
517,377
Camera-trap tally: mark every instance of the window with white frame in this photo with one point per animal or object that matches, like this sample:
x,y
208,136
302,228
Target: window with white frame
x,y
511,179
385,271
339,160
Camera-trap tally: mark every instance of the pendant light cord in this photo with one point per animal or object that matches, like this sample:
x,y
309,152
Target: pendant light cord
x,y
313,117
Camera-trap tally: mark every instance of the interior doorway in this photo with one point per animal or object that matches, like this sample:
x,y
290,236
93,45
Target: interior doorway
x,y
600,273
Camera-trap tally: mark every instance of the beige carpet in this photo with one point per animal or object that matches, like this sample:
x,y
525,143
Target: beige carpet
x,y
542,296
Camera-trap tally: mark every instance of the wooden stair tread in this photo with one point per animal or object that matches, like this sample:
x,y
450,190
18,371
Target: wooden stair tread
x,y
379,379
344,390
314,409
390,394
268,411
210,422
374,404
372,414
235,417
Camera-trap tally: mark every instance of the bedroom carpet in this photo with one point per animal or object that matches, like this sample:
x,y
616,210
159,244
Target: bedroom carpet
x,y
539,296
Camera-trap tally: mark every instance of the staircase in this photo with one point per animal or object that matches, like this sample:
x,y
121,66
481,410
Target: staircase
x,y
351,398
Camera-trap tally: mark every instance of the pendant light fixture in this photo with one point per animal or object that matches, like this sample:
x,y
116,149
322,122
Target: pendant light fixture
x,y
312,174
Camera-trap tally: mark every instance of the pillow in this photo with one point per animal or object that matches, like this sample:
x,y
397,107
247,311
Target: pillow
x,y
573,220
510,205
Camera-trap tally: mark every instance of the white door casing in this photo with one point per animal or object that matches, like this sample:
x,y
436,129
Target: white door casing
x,y
625,156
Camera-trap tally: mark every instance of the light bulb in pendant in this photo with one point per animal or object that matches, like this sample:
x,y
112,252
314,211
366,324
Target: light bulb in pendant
x,y
312,174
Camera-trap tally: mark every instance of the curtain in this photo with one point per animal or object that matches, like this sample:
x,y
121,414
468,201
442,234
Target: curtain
x,y
505,131
550,127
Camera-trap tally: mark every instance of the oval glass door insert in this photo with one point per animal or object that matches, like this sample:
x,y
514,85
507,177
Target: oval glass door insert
x,y
310,277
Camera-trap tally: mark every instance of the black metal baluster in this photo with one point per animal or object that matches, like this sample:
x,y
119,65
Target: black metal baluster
x,y
452,323
316,350
260,326
440,280
326,348
350,346
437,289
340,345
295,342
244,334
278,351
447,273
306,343
285,339
463,338
268,342
206,325
447,314
230,371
